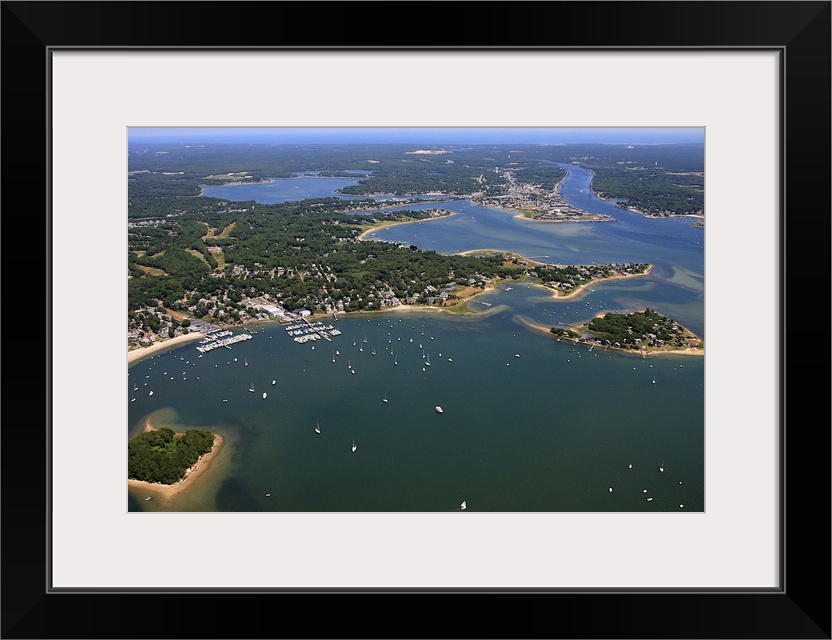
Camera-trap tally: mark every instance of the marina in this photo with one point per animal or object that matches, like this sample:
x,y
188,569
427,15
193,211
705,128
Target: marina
x,y
224,338
307,331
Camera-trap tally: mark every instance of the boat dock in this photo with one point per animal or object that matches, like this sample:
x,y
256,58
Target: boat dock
x,y
223,338
306,331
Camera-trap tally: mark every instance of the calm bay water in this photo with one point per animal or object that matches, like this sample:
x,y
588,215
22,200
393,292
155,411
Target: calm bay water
x,y
551,430
291,190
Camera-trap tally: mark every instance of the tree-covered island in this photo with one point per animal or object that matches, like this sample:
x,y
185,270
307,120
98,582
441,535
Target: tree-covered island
x,y
163,457
192,257
643,331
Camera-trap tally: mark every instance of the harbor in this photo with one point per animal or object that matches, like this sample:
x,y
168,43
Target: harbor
x,y
306,331
223,338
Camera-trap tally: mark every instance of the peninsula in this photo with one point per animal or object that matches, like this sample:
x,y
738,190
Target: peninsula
x,y
643,332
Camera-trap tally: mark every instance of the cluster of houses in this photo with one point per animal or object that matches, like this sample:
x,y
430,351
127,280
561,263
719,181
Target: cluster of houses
x,y
524,196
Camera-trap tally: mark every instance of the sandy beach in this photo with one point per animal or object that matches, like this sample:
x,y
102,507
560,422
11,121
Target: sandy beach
x,y
161,345
166,492
560,295
393,223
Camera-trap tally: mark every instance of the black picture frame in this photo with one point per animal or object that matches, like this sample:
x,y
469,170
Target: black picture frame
x,y
799,31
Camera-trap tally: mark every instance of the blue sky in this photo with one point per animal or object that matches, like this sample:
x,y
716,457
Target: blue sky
x,y
417,135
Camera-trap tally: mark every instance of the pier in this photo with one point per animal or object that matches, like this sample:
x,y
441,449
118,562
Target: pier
x,y
305,331
221,339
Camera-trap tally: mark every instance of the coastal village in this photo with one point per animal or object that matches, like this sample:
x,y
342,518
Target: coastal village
x,y
537,203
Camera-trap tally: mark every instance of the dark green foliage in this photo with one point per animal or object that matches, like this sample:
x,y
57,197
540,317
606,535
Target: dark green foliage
x,y
162,456
652,190
547,176
632,330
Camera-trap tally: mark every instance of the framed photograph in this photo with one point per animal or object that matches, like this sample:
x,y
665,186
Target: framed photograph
x,y
85,81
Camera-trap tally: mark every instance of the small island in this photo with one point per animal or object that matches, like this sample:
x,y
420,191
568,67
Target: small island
x,y
643,331
161,456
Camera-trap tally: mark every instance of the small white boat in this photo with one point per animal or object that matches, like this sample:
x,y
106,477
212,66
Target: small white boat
x,y
246,361
661,469
150,394
251,387
264,395
318,428
384,399
274,382
439,409
148,498
353,446
464,505
654,379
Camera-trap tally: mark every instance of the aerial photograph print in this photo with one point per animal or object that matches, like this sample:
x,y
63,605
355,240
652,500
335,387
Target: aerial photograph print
x,y
416,319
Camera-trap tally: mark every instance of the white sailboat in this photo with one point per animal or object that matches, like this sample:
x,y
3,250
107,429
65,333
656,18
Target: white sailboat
x,y
318,427
251,387
353,446
245,360
464,505
439,409
274,382
384,399
264,395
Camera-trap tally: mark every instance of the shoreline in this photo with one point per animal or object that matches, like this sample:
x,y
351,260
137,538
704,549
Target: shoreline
x,y
395,223
643,353
141,352
167,492
578,290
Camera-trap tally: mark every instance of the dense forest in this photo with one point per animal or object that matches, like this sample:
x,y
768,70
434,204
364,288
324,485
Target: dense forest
x,y
163,456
